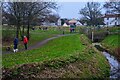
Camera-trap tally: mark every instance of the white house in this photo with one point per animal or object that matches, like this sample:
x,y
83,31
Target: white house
x,y
65,25
59,22
112,19
49,24
73,21
78,23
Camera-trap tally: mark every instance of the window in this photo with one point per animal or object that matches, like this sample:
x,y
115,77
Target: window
x,y
115,18
107,18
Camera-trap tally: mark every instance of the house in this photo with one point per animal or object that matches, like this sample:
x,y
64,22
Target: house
x,y
65,25
78,23
48,24
67,22
73,21
59,22
112,19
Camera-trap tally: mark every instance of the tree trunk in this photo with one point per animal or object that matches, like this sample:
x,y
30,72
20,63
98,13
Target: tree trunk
x,y
23,29
23,32
28,34
17,32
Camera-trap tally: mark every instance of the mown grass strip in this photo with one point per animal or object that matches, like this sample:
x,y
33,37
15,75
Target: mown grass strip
x,y
58,48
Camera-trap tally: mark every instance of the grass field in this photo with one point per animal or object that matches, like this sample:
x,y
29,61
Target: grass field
x,y
67,50
35,36
55,48
38,35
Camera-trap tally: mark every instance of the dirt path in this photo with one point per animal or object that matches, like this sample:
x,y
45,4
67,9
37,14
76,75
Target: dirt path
x,y
39,44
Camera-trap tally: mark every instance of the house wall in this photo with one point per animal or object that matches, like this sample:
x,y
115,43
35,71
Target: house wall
x,y
59,22
119,21
112,21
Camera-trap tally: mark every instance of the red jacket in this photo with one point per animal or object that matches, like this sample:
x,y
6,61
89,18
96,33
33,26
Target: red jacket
x,y
25,40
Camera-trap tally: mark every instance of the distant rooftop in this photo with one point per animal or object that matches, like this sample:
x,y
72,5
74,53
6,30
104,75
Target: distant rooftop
x,y
111,15
73,21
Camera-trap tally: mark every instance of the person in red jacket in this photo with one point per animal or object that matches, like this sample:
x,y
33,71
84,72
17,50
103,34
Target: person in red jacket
x,y
25,41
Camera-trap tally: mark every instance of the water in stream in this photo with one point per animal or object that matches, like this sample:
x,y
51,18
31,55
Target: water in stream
x,y
115,65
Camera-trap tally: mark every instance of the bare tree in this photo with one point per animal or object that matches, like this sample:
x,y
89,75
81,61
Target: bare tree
x,y
52,18
36,9
112,7
92,14
23,13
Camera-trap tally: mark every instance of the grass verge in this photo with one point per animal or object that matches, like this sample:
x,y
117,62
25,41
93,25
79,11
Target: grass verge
x,y
65,57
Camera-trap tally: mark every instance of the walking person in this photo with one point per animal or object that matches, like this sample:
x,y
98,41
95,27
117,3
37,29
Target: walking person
x,y
15,44
74,27
71,28
25,41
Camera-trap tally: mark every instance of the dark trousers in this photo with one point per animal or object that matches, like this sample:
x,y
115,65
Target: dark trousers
x,y
25,44
15,46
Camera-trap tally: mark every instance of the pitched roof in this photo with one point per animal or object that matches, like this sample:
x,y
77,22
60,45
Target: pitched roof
x,y
65,24
111,15
73,21
78,23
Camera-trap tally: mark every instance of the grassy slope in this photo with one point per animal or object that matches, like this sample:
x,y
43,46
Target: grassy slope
x,y
66,50
61,47
112,41
112,44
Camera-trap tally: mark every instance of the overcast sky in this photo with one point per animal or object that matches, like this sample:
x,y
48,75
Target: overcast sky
x,y
71,9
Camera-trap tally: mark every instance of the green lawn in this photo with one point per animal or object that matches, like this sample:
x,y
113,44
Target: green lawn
x,y
61,51
38,35
61,47
35,36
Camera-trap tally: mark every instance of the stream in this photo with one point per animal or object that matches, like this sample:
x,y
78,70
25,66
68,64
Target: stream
x,y
114,63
